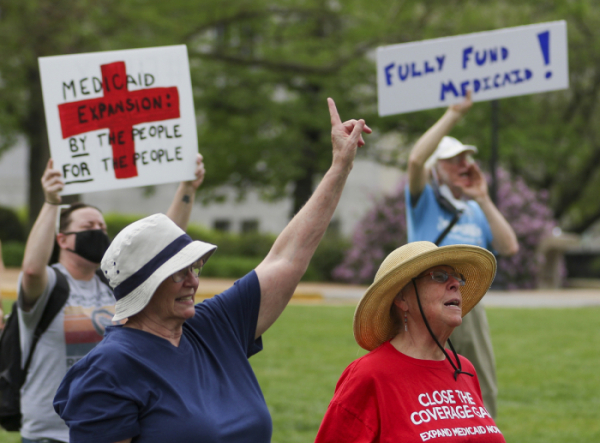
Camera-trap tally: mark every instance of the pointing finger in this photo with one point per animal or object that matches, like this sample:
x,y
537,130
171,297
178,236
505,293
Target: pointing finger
x,y
333,113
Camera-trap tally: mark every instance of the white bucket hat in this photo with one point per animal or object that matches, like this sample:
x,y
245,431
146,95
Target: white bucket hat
x,y
447,148
143,255
373,323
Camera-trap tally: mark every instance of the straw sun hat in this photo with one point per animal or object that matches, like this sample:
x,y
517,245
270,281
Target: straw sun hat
x,y
373,322
143,255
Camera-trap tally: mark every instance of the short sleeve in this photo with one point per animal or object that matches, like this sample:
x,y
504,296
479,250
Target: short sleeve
x,y
235,311
352,415
485,227
96,408
32,317
421,217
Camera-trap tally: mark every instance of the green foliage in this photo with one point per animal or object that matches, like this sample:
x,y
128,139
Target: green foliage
x,y
10,226
329,254
229,266
237,254
12,253
115,222
261,72
228,244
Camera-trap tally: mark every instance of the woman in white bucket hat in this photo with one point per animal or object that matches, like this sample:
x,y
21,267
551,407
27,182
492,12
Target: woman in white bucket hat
x,y
409,388
176,372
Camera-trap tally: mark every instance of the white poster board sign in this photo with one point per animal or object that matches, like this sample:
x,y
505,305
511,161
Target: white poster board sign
x,y
120,119
495,64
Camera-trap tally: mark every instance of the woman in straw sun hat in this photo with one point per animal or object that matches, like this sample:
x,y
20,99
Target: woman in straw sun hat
x,y
179,372
409,387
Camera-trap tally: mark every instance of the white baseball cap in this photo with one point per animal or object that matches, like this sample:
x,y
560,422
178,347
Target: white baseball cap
x,y
449,147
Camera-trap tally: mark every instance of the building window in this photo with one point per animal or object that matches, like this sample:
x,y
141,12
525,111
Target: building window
x,y
249,226
223,225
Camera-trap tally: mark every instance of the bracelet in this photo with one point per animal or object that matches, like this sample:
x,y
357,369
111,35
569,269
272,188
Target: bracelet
x,y
54,204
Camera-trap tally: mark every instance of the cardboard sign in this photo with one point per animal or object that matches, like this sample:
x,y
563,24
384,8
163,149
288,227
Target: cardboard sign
x,y
503,63
120,119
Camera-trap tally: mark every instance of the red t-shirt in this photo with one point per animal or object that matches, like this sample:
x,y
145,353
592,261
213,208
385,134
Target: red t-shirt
x,y
387,396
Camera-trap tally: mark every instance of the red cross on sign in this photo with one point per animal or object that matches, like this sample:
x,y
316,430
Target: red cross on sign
x,y
118,110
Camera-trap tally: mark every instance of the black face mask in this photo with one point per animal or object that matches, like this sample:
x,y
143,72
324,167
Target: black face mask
x,y
90,244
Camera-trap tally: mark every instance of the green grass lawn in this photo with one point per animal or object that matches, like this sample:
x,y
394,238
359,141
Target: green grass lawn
x,y
547,366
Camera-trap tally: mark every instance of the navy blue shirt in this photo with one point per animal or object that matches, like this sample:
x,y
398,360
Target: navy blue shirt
x,y
136,384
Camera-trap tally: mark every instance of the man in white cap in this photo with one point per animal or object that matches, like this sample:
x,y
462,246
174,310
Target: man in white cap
x,y
447,203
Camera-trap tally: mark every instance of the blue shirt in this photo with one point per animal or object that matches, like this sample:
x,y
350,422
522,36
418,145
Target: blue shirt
x,y
427,219
136,384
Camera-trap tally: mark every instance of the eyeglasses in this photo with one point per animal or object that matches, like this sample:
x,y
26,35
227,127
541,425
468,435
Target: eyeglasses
x,y
194,268
443,276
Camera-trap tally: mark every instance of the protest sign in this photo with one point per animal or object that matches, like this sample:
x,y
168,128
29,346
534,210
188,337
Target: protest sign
x,y
495,64
119,119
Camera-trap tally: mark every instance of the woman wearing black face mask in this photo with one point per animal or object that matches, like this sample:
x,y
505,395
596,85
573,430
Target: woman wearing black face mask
x,y
80,244
90,243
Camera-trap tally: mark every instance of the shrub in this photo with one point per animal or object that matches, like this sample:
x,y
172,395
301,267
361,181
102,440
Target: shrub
x,y
229,266
237,254
384,228
11,228
329,254
115,222
528,213
380,231
12,253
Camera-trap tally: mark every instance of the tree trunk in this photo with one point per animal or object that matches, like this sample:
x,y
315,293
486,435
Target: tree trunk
x,y
38,146
303,189
39,150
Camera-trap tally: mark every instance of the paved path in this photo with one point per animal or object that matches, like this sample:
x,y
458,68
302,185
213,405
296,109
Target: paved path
x,y
552,298
333,293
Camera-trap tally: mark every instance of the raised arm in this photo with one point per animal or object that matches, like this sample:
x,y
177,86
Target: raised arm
x,y
505,240
41,238
183,201
426,145
280,272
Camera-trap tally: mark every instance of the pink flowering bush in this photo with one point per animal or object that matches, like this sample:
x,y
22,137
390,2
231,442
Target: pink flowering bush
x,y
383,229
530,216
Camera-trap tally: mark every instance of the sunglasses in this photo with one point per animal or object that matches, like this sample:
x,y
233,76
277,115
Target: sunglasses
x,y
443,276
194,268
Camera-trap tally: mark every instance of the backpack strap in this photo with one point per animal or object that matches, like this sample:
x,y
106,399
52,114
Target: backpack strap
x,y
57,299
448,206
103,278
445,232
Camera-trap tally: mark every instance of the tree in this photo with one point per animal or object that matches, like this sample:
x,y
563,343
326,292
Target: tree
x,y
261,71
263,78
549,139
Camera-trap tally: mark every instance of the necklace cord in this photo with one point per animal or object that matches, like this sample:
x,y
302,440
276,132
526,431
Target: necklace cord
x,y
457,369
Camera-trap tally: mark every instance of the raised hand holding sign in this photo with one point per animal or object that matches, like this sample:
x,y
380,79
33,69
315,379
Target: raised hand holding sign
x,y
121,118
